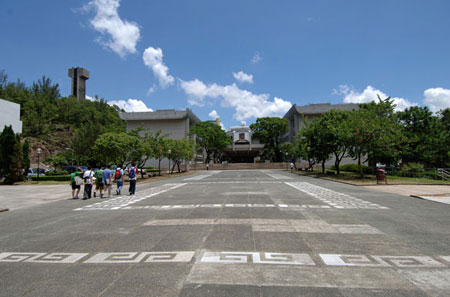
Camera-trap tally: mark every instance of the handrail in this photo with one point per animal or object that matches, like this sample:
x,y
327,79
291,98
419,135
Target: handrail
x,y
444,174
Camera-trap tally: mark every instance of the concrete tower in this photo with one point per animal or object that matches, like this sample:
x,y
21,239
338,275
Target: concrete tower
x,y
79,77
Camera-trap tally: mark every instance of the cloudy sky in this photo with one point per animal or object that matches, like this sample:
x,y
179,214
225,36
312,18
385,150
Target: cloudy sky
x,y
238,60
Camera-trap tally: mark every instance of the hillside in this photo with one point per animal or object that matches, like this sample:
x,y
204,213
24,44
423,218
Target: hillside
x,y
62,126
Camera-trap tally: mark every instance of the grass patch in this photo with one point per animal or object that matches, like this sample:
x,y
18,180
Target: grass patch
x,y
369,179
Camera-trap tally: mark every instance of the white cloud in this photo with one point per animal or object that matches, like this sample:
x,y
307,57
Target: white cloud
x,y
369,95
243,77
213,115
153,59
90,98
247,104
131,105
151,90
123,35
437,98
256,58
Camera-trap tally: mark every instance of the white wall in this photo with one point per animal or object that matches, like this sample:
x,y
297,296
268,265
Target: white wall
x,y
10,115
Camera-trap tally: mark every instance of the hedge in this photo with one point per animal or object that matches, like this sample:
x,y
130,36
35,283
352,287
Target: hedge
x,y
52,177
353,168
151,169
56,172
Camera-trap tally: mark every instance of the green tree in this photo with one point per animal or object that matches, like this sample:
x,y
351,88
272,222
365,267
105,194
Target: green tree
x,y
336,134
418,125
26,156
179,150
114,148
10,156
270,131
291,151
314,143
211,138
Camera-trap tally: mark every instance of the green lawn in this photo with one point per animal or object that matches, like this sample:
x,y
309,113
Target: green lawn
x,y
368,179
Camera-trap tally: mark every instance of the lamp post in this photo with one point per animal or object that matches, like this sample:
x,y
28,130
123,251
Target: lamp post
x,y
287,163
169,151
38,151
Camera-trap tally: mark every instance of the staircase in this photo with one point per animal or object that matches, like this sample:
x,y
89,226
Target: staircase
x,y
443,173
248,166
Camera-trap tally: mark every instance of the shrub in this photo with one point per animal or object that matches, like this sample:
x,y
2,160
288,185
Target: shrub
x,y
52,177
353,168
56,172
412,170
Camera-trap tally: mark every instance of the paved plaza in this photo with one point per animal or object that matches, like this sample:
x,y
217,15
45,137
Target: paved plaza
x,y
229,233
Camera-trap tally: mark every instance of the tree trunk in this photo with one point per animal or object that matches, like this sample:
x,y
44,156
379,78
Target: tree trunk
x,y
159,166
361,173
323,167
336,163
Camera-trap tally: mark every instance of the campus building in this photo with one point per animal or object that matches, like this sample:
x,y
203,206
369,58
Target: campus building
x,y
174,123
10,116
245,148
297,115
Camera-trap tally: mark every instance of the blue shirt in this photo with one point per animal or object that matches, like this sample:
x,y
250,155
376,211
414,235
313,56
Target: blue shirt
x,y
106,176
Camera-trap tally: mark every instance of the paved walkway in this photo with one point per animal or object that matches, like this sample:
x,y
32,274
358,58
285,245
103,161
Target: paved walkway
x,y
242,233
20,196
437,193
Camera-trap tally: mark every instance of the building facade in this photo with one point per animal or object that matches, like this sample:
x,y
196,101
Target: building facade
x,y
245,148
297,115
174,123
10,116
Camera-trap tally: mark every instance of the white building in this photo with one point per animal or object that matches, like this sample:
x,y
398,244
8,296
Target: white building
x,y
10,115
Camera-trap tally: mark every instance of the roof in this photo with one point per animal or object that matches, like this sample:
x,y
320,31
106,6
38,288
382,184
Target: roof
x,y
324,107
164,114
321,108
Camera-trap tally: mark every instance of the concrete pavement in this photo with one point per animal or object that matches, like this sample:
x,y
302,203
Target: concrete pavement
x,y
241,233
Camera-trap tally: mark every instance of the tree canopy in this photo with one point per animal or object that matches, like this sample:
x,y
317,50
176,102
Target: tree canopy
x,y
270,131
211,138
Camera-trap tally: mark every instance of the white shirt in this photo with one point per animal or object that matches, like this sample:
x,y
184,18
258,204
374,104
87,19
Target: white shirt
x,y
87,176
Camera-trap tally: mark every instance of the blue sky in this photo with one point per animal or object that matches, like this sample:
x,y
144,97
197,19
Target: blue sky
x,y
241,59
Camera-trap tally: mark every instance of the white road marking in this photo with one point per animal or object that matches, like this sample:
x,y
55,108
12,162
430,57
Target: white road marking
x,y
135,257
278,176
198,177
274,225
63,258
230,257
124,201
333,198
381,261
256,258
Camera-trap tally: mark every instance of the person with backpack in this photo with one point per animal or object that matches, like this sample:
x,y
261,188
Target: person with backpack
x,y
118,179
88,177
99,182
132,172
76,182
107,180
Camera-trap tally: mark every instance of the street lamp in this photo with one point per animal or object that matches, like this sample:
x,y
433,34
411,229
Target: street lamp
x,y
287,163
38,151
169,152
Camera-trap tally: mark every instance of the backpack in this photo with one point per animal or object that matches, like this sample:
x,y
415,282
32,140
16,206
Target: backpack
x,y
99,174
132,173
118,174
78,181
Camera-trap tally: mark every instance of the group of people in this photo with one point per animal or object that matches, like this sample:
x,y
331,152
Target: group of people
x,y
103,179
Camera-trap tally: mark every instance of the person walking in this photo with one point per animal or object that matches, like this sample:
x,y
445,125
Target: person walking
x,y
107,180
292,167
132,172
76,182
118,178
88,177
99,182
